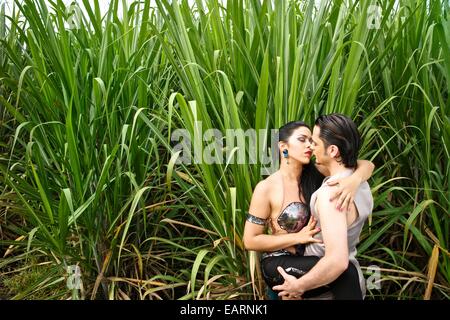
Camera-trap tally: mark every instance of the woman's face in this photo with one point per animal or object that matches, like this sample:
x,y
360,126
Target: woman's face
x,y
298,145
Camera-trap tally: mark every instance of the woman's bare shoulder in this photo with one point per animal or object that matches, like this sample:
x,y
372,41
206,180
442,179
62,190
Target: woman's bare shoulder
x,y
266,185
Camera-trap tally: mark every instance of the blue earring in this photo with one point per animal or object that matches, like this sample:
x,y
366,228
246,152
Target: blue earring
x,y
285,155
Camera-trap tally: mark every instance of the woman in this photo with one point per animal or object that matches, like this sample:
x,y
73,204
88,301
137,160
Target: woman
x,y
281,201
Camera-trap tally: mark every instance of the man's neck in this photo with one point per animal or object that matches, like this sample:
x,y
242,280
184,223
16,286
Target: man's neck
x,y
335,167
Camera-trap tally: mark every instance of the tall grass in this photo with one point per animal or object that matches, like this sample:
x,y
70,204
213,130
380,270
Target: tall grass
x,y
87,113
82,163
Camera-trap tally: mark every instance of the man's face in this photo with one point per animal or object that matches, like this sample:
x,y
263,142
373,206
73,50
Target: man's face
x,y
318,147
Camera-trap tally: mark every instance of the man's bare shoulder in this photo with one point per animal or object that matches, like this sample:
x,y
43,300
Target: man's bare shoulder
x,y
323,196
325,191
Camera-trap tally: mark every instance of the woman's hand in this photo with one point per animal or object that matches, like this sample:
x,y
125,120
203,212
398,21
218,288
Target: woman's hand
x,y
345,192
306,234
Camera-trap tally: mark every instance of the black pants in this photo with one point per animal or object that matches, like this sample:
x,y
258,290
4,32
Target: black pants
x,y
345,287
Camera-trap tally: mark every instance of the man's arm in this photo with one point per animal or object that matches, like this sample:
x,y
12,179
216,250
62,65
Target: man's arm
x,y
335,261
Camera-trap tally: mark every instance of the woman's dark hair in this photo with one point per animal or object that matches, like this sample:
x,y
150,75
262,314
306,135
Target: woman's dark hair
x,y
339,130
310,179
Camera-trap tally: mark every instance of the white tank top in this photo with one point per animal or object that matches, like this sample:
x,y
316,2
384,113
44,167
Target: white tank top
x,y
364,204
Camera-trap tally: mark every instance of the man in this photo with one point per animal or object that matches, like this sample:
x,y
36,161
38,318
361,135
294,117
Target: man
x,y
335,143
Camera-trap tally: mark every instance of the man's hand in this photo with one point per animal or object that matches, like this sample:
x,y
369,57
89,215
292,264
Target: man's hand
x,y
290,286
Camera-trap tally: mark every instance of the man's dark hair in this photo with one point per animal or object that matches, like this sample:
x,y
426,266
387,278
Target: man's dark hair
x,y
339,130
